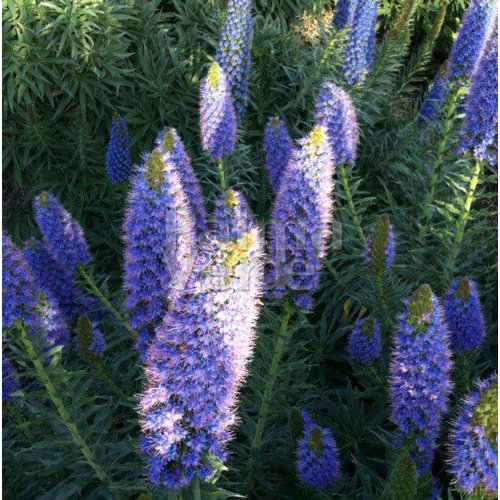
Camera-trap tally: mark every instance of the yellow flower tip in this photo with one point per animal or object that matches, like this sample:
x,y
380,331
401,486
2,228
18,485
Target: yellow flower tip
x,y
231,199
214,74
463,289
317,136
43,199
154,168
168,141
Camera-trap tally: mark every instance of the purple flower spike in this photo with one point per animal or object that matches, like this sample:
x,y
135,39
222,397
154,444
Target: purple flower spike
x,y
278,149
480,131
63,236
360,48
234,51
335,110
118,159
464,315
172,148
198,360
217,117
344,14
435,98
380,246
420,376
474,441
18,286
365,341
301,220
159,243
51,321
232,216
10,383
318,463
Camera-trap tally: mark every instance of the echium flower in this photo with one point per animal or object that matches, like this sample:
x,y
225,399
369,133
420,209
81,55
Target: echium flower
x,y
234,51
365,341
361,44
278,149
197,361
51,320
52,278
344,14
335,110
10,383
159,243
63,236
217,117
464,315
18,286
301,220
436,95
380,246
480,131
420,376
118,159
172,148
90,339
232,217
474,441
318,463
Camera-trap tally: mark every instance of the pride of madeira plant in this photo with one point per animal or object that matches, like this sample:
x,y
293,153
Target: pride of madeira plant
x,y
261,259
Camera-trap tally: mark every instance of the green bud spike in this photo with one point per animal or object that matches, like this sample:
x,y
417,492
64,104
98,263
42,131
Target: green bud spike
x,y
315,442
367,328
231,199
378,244
85,335
486,413
155,169
296,423
168,141
463,290
43,199
404,480
421,309
214,74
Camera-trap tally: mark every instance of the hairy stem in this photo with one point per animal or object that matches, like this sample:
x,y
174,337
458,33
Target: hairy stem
x,y
350,202
105,300
65,416
462,220
222,175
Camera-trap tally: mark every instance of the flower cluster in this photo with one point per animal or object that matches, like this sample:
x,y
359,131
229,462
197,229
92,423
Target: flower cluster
x,y
344,14
480,131
159,243
474,441
313,27
217,116
118,159
52,322
318,463
10,383
360,48
234,51
380,246
63,236
420,375
278,149
335,110
232,216
172,148
301,218
365,341
198,360
464,315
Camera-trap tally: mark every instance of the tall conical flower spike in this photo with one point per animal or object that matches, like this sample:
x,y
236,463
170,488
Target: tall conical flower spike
x,y
318,463
217,117
159,243
464,315
380,246
198,360
234,51
480,131
170,144
335,110
10,383
63,236
278,149
474,441
18,286
301,220
420,375
435,98
361,44
344,14
365,341
118,159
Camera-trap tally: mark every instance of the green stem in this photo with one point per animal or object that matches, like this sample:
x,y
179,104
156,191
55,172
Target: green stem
x,y
105,301
66,418
271,377
438,162
462,221
220,166
379,286
195,488
12,410
350,202
172,495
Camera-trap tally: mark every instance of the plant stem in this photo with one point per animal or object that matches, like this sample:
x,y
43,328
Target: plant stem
x,y
195,488
271,377
66,418
105,301
352,208
220,166
462,221
379,286
172,495
105,376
